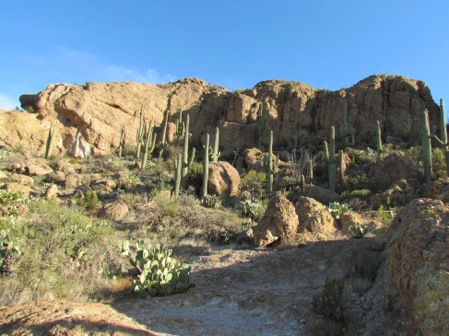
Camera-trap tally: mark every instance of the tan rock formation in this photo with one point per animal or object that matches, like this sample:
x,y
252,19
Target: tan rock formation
x,y
114,211
89,118
314,217
279,222
395,167
415,281
224,179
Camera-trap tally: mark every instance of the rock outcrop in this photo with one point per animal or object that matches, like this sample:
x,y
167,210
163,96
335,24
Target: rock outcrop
x,y
88,118
224,179
279,222
314,217
415,279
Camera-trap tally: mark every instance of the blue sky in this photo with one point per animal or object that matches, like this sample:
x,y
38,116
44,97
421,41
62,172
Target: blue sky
x,y
328,44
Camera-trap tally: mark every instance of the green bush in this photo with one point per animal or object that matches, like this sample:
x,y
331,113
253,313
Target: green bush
x,y
359,182
63,255
253,208
90,201
158,272
337,209
329,304
254,181
129,181
212,201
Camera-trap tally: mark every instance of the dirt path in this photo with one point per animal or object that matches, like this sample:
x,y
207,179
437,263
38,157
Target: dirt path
x,y
247,292
237,292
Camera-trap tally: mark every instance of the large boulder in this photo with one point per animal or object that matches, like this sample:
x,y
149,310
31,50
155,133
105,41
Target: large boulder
x,y
314,218
415,279
87,118
224,179
439,189
114,211
279,222
395,167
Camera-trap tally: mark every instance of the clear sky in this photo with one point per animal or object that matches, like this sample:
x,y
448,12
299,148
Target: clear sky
x,y
329,44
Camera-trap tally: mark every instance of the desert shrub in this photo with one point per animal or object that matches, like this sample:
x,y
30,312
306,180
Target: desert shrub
x,y
337,209
439,163
165,203
212,201
254,181
4,155
116,164
364,156
11,203
253,208
329,304
90,201
9,249
133,199
384,215
158,272
358,193
195,177
359,182
129,181
63,255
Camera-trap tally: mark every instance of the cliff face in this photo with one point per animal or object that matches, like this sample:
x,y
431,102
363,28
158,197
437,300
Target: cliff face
x,y
92,115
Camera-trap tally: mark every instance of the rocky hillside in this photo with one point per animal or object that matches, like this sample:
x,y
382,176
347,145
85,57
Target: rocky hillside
x,y
88,118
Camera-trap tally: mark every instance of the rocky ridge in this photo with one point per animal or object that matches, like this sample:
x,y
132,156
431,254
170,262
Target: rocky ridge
x,y
88,118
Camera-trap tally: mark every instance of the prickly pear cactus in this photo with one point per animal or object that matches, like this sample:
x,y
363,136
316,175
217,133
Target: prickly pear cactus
x,y
158,272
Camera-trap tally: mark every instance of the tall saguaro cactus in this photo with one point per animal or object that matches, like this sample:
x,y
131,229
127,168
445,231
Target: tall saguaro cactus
x,y
179,128
379,144
271,166
296,134
121,142
150,142
215,152
345,132
186,163
260,127
182,162
203,191
164,131
329,153
427,149
140,134
442,140
49,145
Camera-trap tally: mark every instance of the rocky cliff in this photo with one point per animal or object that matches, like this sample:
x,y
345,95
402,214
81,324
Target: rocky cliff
x,y
89,117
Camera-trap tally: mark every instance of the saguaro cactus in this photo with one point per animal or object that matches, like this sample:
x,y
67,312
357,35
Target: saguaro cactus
x,y
345,132
260,127
203,191
49,145
178,174
427,149
379,144
442,140
150,142
341,160
271,166
186,163
216,153
121,142
179,128
140,134
296,133
329,153
182,162
164,131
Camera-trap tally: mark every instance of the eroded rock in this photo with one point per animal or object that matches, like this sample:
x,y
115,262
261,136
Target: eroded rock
x,y
279,222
